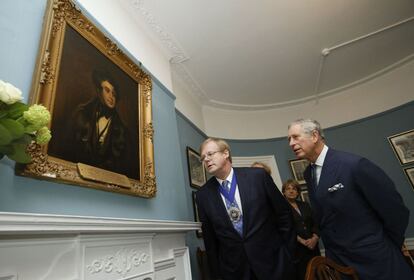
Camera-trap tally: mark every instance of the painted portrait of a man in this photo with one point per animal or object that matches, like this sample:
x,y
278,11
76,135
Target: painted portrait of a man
x,y
95,116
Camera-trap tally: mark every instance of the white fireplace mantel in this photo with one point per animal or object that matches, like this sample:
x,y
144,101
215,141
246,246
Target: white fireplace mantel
x,y
57,247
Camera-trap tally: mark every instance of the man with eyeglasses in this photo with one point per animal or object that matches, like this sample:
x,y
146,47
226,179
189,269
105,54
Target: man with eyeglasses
x,y
247,224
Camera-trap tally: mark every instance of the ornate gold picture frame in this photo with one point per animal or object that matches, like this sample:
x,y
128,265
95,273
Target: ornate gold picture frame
x,y
98,141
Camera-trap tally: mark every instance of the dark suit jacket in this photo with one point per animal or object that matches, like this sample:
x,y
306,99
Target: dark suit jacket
x,y
304,222
362,224
266,247
305,226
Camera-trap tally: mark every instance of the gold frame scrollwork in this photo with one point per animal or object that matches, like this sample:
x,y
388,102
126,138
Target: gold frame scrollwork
x,y
60,15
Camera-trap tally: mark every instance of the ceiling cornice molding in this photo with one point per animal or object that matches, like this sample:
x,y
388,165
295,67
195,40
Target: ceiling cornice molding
x,y
176,52
316,97
190,83
177,55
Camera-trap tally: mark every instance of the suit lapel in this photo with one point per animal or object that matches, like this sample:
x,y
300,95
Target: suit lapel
x,y
329,171
326,179
218,203
216,199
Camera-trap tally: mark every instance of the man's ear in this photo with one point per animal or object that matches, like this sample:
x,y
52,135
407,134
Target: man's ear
x,y
315,136
226,152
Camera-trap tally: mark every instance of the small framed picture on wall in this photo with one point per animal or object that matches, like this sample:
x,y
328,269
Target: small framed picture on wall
x,y
196,171
410,175
403,146
298,166
304,196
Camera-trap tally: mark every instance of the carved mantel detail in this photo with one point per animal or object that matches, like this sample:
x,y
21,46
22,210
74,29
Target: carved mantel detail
x,y
120,262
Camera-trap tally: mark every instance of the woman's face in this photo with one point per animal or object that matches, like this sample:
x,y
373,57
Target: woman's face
x,y
108,95
290,192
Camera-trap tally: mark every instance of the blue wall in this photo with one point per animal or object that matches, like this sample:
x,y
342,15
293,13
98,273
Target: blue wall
x,y
366,137
190,136
20,26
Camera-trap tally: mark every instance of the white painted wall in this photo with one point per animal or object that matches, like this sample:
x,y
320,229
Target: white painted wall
x,y
188,104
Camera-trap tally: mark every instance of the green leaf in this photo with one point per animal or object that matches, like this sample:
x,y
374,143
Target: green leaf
x,y
15,128
5,135
16,110
19,155
31,128
6,149
26,140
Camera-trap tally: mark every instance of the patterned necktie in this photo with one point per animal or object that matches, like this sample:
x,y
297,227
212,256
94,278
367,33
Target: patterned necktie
x,y
233,210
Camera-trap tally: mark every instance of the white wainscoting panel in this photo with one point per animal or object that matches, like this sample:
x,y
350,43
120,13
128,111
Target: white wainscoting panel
x,y
52,247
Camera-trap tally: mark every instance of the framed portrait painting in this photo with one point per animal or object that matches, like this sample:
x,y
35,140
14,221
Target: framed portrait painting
x,y
101,105
196,170
298,166
410,175
403,146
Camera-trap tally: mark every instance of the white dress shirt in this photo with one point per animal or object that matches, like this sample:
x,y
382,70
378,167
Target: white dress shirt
x,y
319,163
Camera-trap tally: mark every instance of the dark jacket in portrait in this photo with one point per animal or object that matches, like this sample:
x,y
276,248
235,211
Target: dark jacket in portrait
x,y
361,216
110,153
267,245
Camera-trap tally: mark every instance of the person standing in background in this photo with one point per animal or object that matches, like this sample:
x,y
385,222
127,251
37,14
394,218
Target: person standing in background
x,y
306,229
260,164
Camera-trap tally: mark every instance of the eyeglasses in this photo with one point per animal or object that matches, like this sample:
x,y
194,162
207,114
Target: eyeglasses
x,y
208,155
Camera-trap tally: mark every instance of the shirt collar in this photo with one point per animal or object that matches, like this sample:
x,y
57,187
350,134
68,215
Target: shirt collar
x,y
321,158
228,177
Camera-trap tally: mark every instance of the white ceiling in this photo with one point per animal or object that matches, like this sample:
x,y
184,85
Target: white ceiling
x,y
254,55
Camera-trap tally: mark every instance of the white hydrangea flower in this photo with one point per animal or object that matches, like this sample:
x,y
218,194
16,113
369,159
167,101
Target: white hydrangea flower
x,y
9,94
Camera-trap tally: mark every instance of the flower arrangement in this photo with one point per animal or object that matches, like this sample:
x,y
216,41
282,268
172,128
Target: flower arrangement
x,y
20,124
